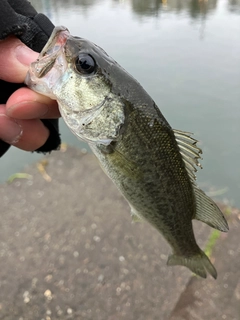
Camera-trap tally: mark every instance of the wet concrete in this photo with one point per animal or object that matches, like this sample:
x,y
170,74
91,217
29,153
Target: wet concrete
x,y
68,250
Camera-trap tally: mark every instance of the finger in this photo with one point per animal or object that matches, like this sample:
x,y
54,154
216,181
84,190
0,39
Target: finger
x,y
15,59
27,135
27,104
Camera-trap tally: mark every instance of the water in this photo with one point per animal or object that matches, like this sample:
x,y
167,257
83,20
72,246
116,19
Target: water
x,y
185,54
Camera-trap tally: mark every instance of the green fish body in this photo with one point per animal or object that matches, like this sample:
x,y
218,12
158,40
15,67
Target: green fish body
x,y
152,165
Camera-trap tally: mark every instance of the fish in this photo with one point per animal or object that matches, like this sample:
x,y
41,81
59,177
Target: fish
x,y
152,165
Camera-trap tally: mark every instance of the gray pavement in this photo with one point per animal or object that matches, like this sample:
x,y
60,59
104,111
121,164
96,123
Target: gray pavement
x,y
216,299
68,250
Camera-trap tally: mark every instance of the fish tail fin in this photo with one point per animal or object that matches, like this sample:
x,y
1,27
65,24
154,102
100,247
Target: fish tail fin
x,y
207,211
198,264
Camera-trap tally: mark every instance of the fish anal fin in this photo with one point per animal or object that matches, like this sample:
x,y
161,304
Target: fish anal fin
x,y
198,264
208,212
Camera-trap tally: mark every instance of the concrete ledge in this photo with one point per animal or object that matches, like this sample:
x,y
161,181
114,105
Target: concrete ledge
x,y
68,250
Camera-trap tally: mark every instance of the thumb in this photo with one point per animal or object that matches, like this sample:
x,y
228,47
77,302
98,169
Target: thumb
x,y
15,59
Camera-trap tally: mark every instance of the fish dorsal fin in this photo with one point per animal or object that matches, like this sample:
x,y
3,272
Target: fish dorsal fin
x,y
189,151
207,211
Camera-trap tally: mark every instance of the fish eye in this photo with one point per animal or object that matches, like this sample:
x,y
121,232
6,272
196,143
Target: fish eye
x,y
85,63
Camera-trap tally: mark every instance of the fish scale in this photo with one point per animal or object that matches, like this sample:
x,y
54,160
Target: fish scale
x,y
152,165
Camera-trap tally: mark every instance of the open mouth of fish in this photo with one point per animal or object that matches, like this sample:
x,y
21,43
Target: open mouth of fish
x,y
52,58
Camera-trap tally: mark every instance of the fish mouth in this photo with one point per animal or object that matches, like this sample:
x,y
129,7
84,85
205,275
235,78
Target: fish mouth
x,y
57,39
51,63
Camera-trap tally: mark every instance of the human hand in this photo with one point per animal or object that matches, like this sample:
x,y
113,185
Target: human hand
x,y
20,123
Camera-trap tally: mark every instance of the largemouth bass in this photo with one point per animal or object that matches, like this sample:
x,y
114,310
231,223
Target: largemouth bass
x,y
151,164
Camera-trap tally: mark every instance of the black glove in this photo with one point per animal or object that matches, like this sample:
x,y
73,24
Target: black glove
x,y
19,18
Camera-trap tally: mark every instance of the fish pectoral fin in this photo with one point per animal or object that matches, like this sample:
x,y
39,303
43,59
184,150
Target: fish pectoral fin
x,y
128,166
207,211
198,264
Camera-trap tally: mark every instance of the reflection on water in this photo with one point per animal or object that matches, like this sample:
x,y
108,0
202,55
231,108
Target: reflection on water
x,y
194,8
234,6
50,6
192,51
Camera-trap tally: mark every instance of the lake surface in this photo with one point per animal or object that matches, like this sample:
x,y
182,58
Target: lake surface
x,y
186,54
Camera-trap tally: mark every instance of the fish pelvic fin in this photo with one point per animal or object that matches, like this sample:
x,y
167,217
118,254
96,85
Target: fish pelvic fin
x,y
198,264
135,218
208,212
134,215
